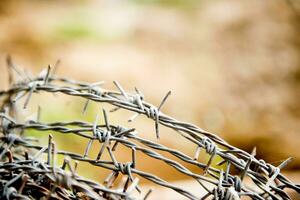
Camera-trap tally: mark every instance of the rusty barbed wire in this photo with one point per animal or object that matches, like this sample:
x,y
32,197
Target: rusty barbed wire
x,y
23,172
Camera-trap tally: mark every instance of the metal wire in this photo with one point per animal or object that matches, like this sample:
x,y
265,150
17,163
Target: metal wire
x,y
23,172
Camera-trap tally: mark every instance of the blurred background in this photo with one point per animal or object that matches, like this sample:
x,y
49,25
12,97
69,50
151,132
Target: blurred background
x,y
233,66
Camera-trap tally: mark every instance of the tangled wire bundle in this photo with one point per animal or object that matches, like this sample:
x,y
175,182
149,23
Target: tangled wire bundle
x,y
24,174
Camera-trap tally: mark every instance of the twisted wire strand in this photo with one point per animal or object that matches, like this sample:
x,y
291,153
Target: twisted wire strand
x,y
217,183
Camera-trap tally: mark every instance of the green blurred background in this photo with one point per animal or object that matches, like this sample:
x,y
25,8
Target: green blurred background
x,y
233,66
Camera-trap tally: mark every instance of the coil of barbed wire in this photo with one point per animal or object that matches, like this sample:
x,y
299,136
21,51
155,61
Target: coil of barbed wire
x,y
24,174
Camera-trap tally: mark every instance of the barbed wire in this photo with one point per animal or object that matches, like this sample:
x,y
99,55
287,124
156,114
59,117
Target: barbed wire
x,y
22,173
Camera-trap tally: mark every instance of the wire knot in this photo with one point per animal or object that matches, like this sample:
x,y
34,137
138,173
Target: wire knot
x,y
151,112
236,183
209,145
118,129
96,91
125,168
137,100
102,135
33,84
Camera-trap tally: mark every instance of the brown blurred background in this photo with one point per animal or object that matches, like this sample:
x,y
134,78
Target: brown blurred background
x,y
233,66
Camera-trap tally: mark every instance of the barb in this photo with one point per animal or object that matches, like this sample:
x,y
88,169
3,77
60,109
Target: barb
x,y
22,160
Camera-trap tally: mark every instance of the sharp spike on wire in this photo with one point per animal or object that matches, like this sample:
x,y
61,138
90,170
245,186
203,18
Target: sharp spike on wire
x,y
244,172
49,149
29,96
133,154
85,106
38,154
55,67
139,92
111,178
147,194
104,145
209,163
43,74
157,114
164,100
197,153
75,166
53,157
227,184
113,158
124,132
88,147
95,125
115,146
106,119
38,116
221,162
133,185
227,172
126,184
285,163
67,164
156,126
221,179
253,152
86,103
19,96
47,75
133,117
96,84
139,102
11,65
64,163
121,89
